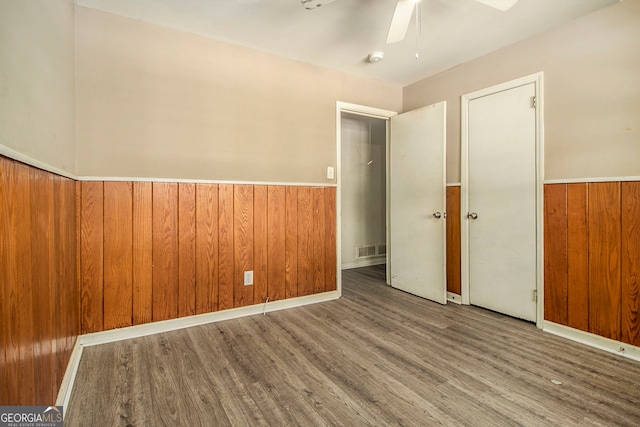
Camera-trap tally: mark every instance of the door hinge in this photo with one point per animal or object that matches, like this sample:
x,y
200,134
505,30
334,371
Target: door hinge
x,y
535,295
534,102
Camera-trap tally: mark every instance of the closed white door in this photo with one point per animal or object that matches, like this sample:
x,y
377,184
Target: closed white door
x,y
502,201
417,202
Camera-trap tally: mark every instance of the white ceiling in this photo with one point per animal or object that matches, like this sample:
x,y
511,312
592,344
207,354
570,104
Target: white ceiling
x,y
340,35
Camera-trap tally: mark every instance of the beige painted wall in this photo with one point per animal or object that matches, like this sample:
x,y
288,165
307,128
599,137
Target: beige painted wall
x,y
37,81
155,102
591,92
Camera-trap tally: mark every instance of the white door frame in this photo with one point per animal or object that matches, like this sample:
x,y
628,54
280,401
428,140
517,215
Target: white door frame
x,y
361,110
537,79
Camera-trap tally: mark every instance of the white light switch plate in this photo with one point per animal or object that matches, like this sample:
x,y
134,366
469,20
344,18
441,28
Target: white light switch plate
x,y
330,172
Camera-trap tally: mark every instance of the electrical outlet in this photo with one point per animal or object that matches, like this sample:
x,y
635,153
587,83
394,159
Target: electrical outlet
x,y
248,278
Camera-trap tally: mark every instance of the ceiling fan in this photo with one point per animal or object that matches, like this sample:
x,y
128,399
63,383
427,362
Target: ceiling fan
x,y
404,11
405,8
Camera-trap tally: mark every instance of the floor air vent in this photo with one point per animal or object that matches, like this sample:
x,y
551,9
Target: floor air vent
x,y
366,251
370,251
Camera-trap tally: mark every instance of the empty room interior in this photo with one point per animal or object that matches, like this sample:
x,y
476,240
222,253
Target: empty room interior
x,y
321,212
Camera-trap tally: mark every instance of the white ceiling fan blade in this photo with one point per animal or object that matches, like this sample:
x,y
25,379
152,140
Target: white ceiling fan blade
x,y
400,20
499,4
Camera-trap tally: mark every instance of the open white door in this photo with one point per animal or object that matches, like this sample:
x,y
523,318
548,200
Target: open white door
x,y
417,202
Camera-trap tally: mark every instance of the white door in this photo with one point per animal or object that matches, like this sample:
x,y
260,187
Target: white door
x,y
417,202
502,201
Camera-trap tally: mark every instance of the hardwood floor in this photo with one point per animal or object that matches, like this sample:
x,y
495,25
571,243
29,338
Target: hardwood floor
x,y
377,356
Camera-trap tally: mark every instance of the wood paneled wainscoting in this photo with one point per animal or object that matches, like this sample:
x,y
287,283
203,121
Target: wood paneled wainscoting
x,y
592,258
38,287
158,251
81,257
454,272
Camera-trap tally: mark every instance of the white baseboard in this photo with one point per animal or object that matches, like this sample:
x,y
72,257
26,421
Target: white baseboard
x,y
364,263
454,298
97,338
612,346
200,319
64,394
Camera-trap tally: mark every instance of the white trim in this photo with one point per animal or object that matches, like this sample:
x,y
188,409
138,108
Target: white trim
x,y
16,155
381,259
388,201
359,113
454,298
454,184
362,110
64,394
595,179
537,79
202,181
444,200
612,346
200,319
464,200
504,86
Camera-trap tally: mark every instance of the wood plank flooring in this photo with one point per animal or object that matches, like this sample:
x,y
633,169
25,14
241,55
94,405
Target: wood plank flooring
x,y
377,356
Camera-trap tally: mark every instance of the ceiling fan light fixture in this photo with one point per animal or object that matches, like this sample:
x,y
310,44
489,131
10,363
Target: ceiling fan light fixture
x,y
376,57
